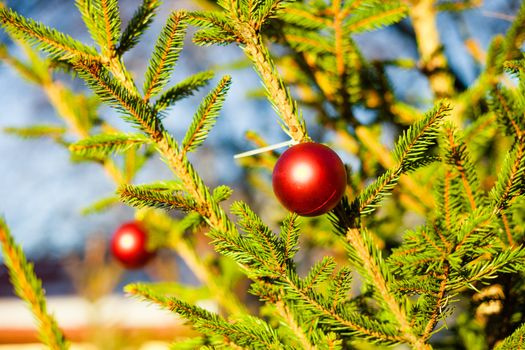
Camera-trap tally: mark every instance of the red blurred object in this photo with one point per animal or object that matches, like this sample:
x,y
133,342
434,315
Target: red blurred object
x,y
128,245
309,179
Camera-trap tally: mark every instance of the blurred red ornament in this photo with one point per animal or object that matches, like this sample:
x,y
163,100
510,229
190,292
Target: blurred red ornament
x,y
309,179
128,245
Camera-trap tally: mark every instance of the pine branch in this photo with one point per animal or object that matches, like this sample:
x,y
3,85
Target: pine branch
x,y
141,20
340,320
290,236
101,146
374,15
515,35
516,341
146,196
416,140
246,253
107,19
265,9
509,115
205,273
206,116
320,272
57,44
254,48
29,288
218,29
248,332
165,54
267,243
119,97
36,131
367,258
511,181
183,89
221,193
308,41
293,320
301,15
410,152
458,157
100,205
142,114
276,90
85,7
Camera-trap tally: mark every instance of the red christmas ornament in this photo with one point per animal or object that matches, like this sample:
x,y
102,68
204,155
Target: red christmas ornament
x,y
309,179
128,245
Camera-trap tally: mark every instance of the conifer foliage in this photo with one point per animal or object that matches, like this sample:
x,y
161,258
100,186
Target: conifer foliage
x,y
425,288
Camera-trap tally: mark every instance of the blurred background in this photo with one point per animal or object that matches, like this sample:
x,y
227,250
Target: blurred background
x,y
42,192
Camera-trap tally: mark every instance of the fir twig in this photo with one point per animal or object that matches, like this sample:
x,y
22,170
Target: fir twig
x,y
165,54
206,116
103,145
409,152
141,19
35,131
29,288
458,157
142,196
249,332
57,44
183,89
107,18
515,341
511,181
373,266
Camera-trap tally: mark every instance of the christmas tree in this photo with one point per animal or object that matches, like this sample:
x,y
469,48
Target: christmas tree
x,y
459,167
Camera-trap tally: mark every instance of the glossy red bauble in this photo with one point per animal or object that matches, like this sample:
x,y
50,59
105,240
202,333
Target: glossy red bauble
x,y
128,245
309,179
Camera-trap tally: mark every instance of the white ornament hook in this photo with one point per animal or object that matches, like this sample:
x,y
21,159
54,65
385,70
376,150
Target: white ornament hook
x,y
265,149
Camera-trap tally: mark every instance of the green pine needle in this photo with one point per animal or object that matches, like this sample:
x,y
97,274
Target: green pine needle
x,y
29,288
165,54
206,116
